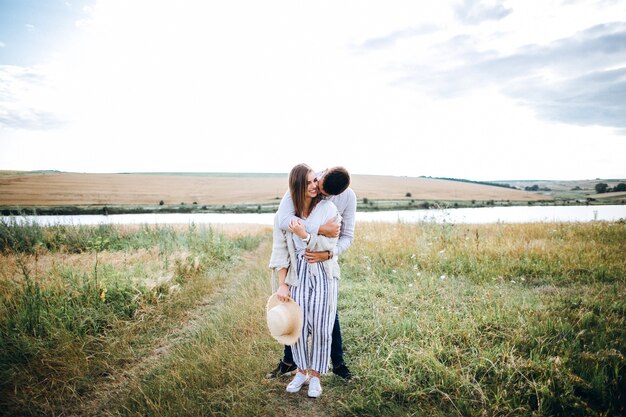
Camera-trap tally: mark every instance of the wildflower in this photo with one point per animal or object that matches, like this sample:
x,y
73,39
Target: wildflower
x,y
196,263
442,277
103,294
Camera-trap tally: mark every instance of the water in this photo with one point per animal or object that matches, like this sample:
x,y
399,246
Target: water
x,y
514,214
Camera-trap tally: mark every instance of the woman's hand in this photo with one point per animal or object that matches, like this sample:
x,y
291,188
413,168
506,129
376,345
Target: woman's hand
x,y
295,225
283,292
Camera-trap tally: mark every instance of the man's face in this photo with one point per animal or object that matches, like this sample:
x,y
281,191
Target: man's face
x,y
320,183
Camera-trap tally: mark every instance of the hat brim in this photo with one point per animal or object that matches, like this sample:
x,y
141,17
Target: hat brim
x,y
294,311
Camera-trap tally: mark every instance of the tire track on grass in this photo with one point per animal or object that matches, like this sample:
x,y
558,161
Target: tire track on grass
x,y
96,402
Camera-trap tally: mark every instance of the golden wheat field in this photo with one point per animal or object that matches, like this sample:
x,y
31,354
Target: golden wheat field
x,y
52,189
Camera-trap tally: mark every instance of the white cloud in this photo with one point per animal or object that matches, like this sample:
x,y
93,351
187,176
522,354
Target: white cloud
x,y
260,86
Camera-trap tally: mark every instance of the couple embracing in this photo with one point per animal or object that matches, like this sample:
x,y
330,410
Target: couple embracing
x,y
313,226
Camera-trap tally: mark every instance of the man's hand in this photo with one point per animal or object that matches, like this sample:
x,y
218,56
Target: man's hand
x,y
313,257
330,229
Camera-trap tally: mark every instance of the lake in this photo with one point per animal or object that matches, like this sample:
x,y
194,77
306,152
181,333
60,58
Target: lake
x,y
513,214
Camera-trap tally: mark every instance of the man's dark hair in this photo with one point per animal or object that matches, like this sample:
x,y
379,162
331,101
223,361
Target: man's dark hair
x,y
336,180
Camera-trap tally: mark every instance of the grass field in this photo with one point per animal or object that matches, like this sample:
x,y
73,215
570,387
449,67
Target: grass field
x,y
437,320
73,189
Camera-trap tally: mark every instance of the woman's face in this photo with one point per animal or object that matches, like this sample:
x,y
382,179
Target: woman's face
x,y
311,185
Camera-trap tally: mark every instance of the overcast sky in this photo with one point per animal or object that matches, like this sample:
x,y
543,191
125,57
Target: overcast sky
x,y
482,90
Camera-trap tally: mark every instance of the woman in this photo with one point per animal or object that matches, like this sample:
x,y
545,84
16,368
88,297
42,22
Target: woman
x,y
312,286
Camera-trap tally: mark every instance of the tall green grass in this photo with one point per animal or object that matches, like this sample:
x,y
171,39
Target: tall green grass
x,y
62,328
437,320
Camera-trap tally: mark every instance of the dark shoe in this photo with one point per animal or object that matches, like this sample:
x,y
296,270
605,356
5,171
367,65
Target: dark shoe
x,y
281,370
343,372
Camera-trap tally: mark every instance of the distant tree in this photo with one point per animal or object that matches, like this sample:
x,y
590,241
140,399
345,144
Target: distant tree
x,y
407,195
620,187
532,188
601,187
161,202
365,200
577,188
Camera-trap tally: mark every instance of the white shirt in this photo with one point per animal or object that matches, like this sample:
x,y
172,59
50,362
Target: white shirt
x,y
346,207
322,212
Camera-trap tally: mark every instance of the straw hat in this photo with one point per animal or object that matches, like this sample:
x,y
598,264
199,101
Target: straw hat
x,y
284,320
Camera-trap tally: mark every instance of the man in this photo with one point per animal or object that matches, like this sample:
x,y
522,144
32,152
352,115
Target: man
x,y
333,184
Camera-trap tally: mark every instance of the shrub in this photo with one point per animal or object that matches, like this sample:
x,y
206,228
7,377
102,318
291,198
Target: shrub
x,y
601,187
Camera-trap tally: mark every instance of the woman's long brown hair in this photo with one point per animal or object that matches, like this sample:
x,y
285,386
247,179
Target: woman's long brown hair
x,y
297,188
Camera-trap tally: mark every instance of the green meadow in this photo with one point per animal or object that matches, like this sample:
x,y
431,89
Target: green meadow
x,y
437,320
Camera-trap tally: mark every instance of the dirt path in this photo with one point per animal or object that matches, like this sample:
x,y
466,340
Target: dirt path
x,y
118,384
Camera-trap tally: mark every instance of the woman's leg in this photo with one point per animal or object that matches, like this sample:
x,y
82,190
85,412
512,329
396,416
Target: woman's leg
x,y
324,302
300,295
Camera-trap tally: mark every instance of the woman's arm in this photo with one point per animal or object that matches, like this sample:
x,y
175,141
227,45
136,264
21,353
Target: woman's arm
x,y
280,253
283,288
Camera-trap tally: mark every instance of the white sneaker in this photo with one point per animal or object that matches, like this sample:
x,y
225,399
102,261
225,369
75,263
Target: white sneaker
x,y
297,382
315,387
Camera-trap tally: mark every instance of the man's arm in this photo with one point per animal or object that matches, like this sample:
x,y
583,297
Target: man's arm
x,y
286,212
321,243
346,235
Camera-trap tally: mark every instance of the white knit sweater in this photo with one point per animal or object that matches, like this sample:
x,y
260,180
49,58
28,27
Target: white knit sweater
x,y
284,250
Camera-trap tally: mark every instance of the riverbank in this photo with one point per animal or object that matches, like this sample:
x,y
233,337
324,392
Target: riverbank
x,y
363,205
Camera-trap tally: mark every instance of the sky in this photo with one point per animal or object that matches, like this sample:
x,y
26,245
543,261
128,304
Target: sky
x,y
479,90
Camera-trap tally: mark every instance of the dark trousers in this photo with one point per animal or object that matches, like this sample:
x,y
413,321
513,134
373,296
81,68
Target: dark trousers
x,y
336,348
